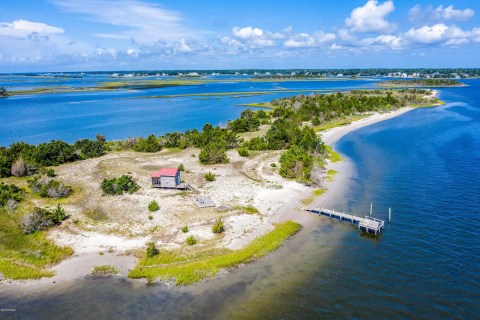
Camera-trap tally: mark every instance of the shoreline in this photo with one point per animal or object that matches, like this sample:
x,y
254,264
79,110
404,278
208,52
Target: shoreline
x,y
77,267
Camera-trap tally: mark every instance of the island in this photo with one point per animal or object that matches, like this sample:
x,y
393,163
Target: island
x,y
182,207
432,83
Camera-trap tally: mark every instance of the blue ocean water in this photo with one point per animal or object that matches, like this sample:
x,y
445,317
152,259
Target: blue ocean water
x,y
425,165
121,114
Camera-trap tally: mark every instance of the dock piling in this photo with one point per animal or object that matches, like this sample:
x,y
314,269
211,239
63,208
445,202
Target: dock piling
x,y
389,214
371,209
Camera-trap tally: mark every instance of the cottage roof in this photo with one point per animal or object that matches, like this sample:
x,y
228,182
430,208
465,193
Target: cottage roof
x,y
165,172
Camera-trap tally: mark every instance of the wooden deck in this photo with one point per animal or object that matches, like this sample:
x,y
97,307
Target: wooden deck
x,y
367,224
181,186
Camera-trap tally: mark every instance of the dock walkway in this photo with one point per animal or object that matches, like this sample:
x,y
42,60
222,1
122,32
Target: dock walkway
x,y
367,224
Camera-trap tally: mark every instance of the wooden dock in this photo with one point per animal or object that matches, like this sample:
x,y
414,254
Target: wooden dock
x,y
367,224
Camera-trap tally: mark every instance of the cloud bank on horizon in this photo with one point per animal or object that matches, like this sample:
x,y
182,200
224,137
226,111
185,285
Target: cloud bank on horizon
x,y
133,34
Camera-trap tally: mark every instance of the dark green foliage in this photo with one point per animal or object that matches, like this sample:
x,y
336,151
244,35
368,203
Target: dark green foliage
x,y
185,229
218,226
90,148
181,167
49,172
296,163
117,186
49,188
243,151
42,219
248,121
151,250
213,153
153,206
209,176
54,153
149,144
10,192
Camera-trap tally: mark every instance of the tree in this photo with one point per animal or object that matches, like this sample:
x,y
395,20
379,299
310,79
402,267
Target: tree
x,y
150,144
90,148
54,153
213,153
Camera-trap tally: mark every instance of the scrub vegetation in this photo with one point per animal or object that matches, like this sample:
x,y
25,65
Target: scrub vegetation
x,y
190,267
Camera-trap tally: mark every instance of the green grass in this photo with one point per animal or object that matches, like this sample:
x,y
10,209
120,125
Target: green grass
x,y
332,155
248,209
340,122
331,174
257,105
104,270
315,194
26,256
189,270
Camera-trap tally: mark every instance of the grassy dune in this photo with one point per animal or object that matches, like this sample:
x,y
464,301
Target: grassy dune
x,y
191,269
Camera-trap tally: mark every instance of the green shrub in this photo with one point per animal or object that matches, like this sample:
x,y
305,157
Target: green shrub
x,y
213,153
243,151
181,167
54,153
106,270
273,165
117,186
150,217
149,144
218,226
185,229
49,172
10,192
90,148
152,250
296,163
191,240
153,206
41,219
209,176
49,188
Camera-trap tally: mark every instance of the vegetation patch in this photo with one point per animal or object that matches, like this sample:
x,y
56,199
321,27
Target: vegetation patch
x,y
331,174
26,256
248,209
338,122
192,269
332,155
218,226
422,83
49,188
314,195
105,270
117,186
209,176
153,206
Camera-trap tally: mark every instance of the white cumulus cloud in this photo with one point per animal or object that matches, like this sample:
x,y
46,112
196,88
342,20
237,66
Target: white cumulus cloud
x,y
25,28
441,13
371,17
438,33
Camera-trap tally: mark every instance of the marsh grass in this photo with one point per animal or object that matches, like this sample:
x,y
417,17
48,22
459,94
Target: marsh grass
x,y
26,256
248,209
315,194
332,155
340,122
188,269
104,270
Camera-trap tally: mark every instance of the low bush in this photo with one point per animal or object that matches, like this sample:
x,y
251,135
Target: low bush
x,y
191,240
209,176
153,206
152,250
49,188
117,186
243,151
218,226
149,144
185,229
181,167
42,219
9,193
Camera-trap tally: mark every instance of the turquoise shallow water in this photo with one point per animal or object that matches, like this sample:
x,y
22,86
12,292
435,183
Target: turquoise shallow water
x,y
424,164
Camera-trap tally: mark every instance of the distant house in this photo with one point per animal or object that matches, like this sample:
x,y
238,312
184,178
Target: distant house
x,y
166,178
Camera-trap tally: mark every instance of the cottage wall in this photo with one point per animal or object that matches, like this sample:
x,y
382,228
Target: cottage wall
x,y
168,182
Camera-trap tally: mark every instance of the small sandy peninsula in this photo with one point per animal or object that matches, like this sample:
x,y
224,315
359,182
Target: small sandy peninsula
x,y
109,230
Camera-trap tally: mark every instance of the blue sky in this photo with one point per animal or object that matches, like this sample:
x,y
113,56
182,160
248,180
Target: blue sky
x,y
74,35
